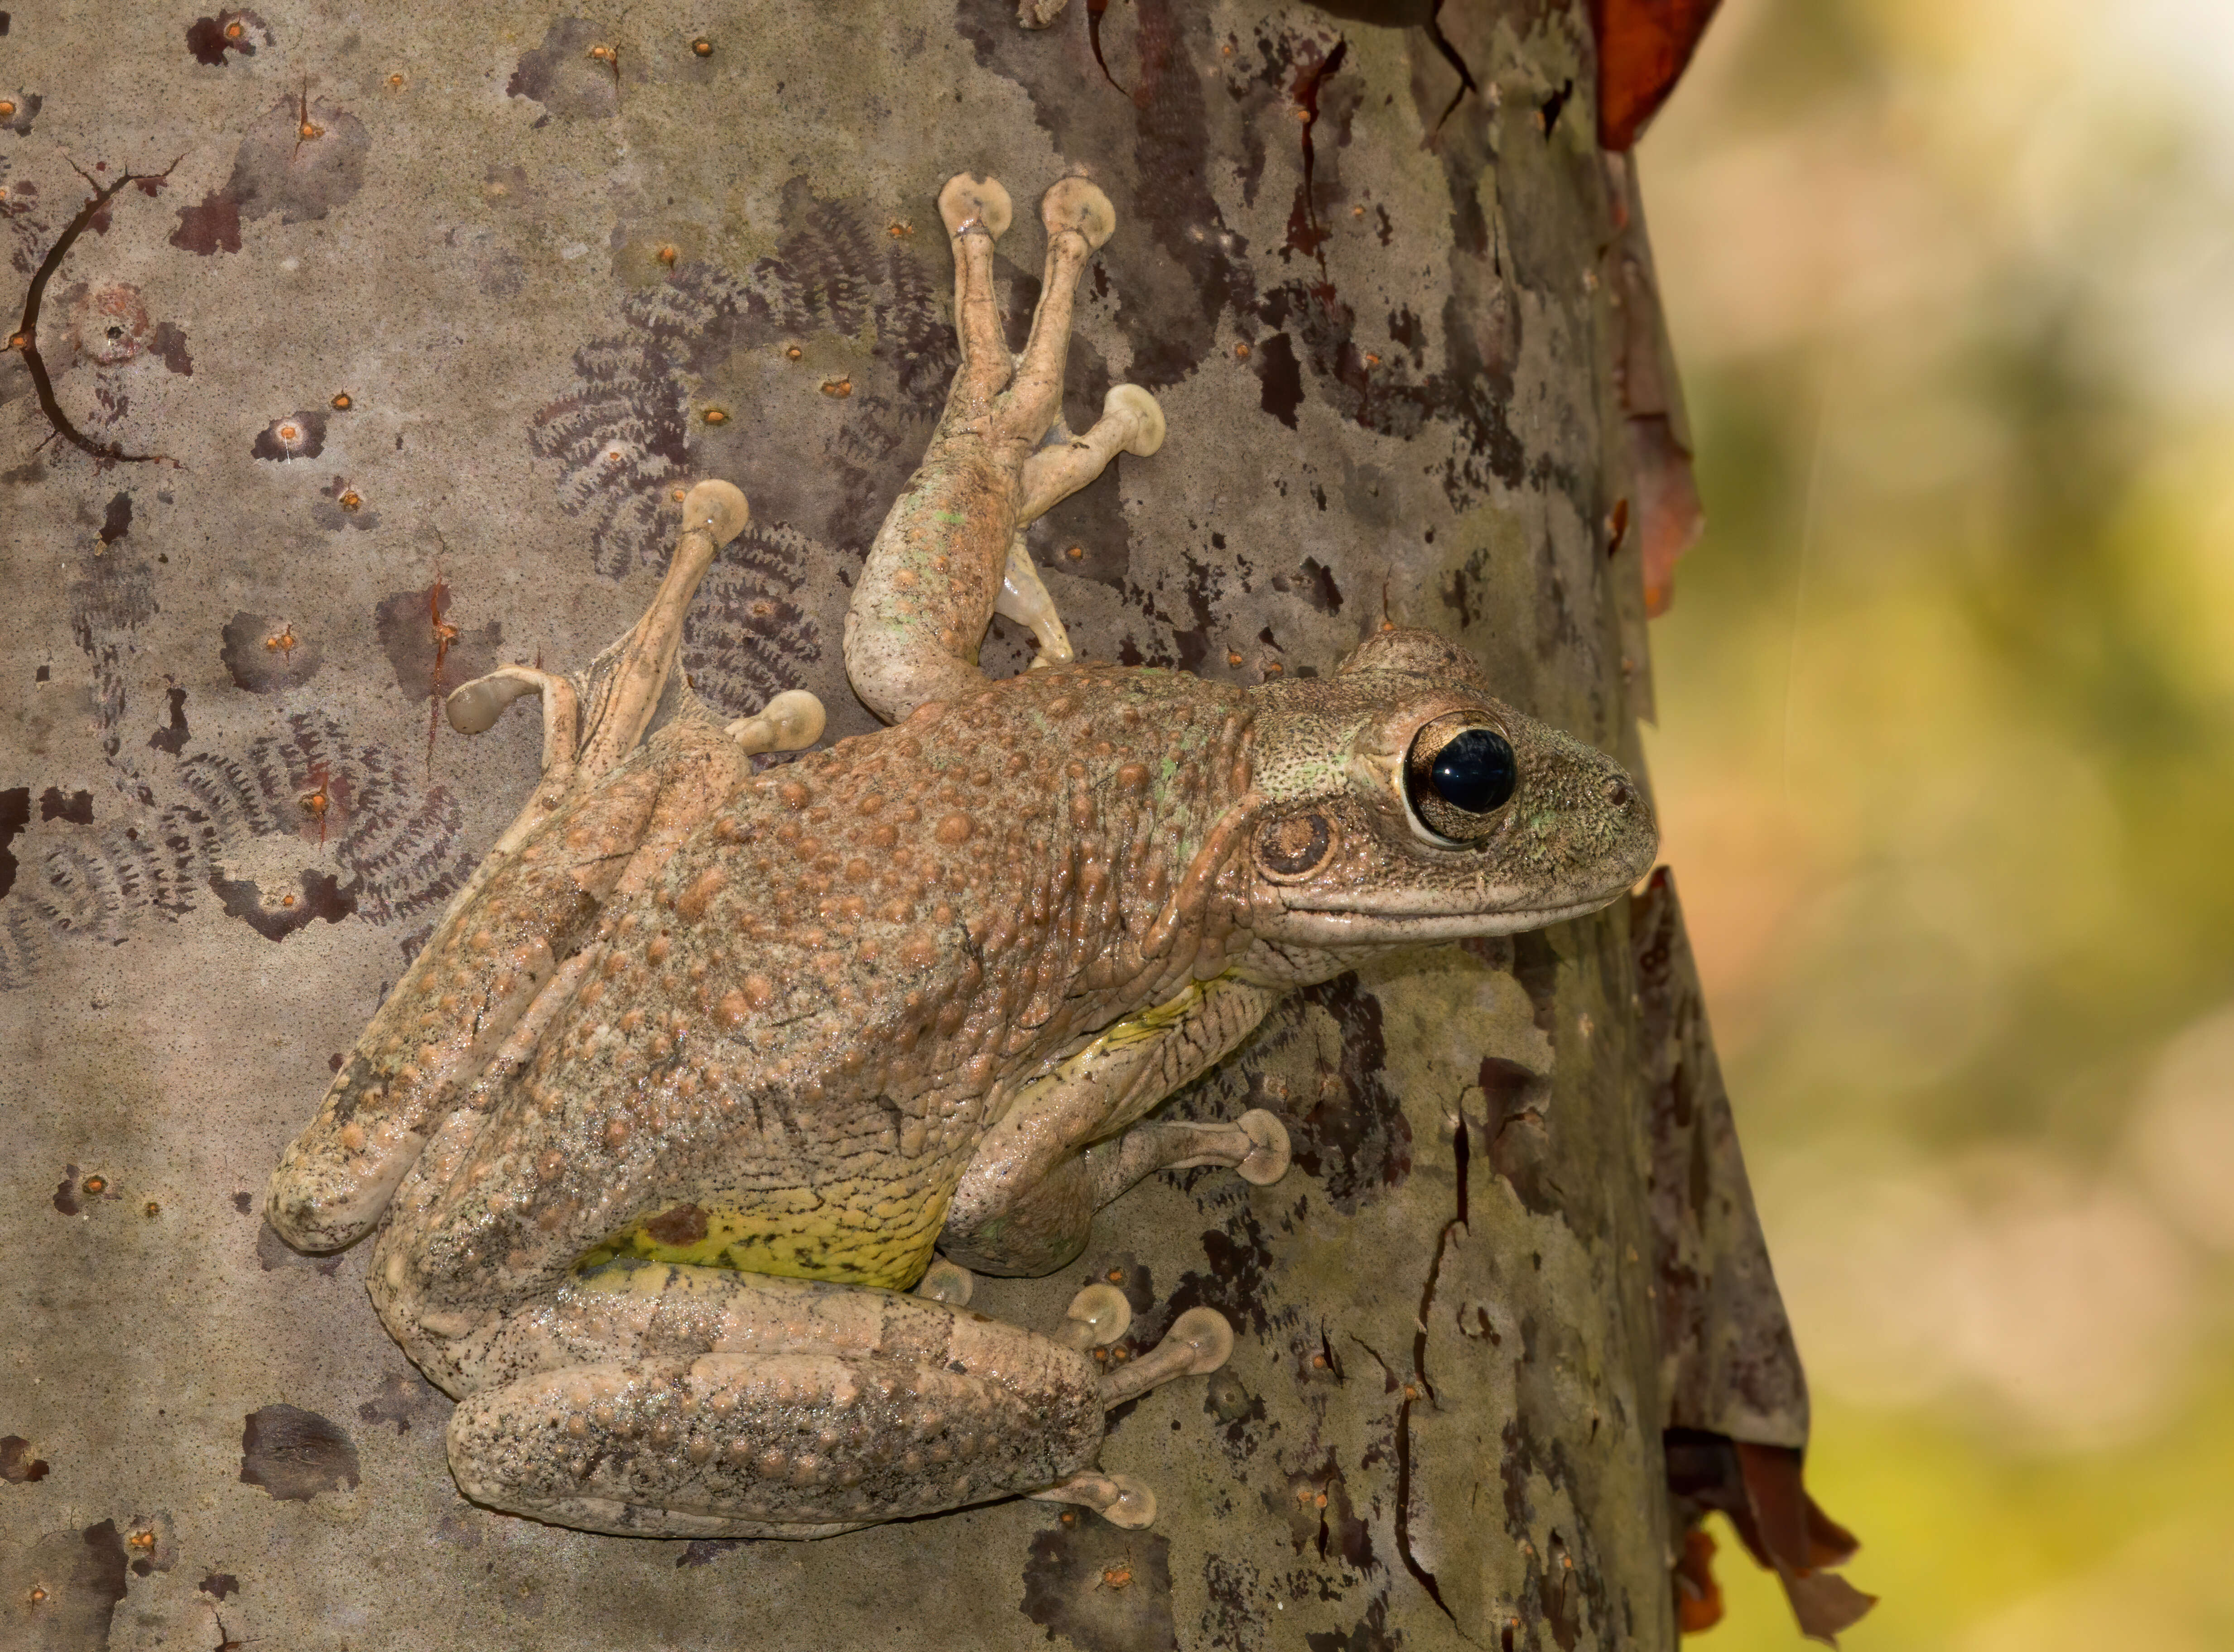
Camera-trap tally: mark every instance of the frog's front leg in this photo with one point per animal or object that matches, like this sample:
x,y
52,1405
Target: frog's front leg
x,y
935,575
1070,1143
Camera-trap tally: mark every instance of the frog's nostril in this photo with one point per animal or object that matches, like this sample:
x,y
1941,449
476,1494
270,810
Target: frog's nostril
x,y
1617,792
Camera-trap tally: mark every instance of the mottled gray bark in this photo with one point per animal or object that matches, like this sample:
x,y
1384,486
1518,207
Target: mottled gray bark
x,y
437,311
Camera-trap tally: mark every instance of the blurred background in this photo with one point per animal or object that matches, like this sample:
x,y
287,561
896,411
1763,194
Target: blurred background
x,y
1946,765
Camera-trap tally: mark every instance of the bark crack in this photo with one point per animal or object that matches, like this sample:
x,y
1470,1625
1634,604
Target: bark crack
x,y
1305,233
1420,1388
1450,52
1094,10
27,333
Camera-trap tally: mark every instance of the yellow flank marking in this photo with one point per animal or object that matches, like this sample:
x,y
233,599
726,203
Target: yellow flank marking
x,y
839,1237
1148,1023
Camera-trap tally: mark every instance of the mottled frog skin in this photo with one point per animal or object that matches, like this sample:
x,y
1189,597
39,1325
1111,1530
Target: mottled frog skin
x,y
661,1129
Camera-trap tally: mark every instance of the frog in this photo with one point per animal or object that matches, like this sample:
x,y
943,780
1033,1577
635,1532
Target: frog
x,y
739,1058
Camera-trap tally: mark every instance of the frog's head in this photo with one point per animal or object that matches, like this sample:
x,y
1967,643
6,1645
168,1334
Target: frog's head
x,y
1404,803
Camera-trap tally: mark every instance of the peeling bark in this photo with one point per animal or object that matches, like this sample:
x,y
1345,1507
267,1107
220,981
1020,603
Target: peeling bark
x,y
1397,306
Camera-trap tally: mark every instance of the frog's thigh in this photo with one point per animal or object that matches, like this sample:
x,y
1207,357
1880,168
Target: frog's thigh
x,y
792,1443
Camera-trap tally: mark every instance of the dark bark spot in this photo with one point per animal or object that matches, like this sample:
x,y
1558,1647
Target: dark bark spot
x,y
405,623
212,224
294,1455
706,1550
292,435
14,815
76,808
323,896
1106,1589
401,1399
116,521
174,738
1353,1136
219,1585
82,1575
17,1464
564,78
169,342
210,38
263,655
1372,1633
1282,377
278,169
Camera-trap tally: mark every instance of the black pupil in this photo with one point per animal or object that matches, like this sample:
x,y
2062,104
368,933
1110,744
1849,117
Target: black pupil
x,y
1475,771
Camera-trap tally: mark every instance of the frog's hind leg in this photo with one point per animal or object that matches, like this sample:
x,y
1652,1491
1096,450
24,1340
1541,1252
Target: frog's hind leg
x,y
948,556
825,1408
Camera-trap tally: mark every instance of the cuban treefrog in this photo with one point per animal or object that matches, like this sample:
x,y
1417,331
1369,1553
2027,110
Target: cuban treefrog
x,y
672,1110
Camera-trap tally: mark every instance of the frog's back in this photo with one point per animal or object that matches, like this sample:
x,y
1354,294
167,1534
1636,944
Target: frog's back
x,y
785,1060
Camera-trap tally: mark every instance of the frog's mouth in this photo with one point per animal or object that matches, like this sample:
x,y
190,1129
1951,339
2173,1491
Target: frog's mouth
x,y
1336,922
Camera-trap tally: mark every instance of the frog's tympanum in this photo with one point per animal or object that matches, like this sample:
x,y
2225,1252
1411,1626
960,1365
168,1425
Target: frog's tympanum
x,y
669,1118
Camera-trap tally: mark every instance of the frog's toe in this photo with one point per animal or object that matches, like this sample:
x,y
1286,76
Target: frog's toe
x,y
1198,1342
719,508
1076,204
792,721
969,199
1131,422
1270,1153
1098,1315
1118,1499
947,1282
1135,420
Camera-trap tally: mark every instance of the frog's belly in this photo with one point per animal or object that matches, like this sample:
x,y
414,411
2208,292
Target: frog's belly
x,y
855,1233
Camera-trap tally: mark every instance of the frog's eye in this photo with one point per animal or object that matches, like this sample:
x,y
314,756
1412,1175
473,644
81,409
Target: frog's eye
x,y
1458,774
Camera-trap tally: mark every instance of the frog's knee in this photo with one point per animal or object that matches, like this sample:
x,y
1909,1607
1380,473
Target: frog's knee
x,y
314,1203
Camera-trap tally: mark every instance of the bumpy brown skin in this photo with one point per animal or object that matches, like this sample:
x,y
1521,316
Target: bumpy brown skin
x,y
682,1091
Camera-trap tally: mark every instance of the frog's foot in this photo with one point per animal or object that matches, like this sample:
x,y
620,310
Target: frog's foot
x,y
976,212
1130,422
624,684
947,557
1118,1499
1078,219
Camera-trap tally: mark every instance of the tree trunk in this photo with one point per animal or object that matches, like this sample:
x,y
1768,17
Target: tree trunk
x,y
394,377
